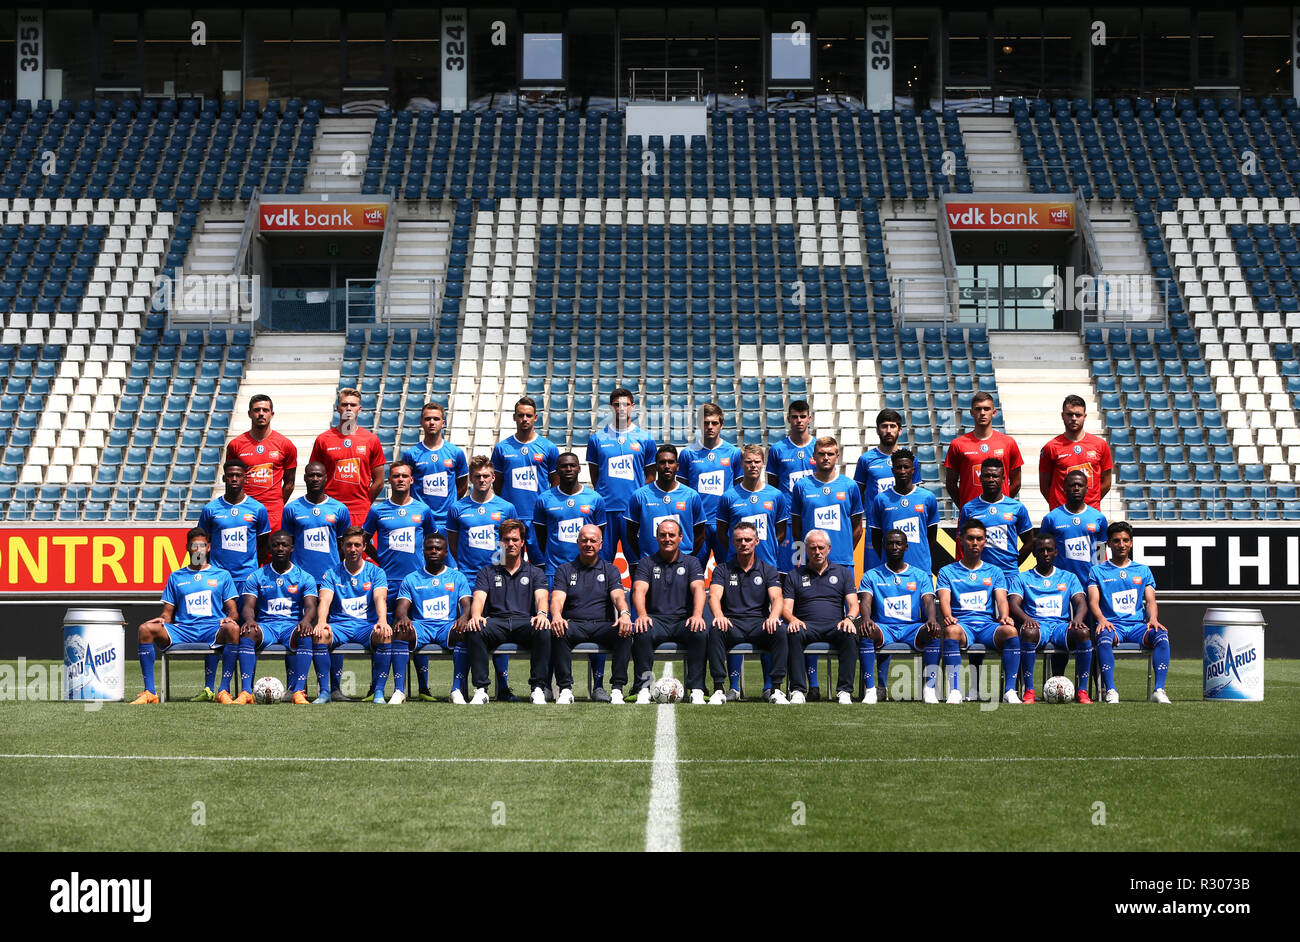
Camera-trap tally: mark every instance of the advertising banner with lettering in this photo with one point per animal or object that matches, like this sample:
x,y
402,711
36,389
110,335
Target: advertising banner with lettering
x,y
1009,216
322,217
84,561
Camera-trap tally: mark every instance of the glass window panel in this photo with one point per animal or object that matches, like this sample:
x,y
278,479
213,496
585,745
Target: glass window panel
x,y
1167,53
543,57
417,67
1216,48
1017,52
119,50
593,75
968,50
1266,60
841,53
268,68
65,50
1117,66
317,56
740,57
791,49
1066,44
916,63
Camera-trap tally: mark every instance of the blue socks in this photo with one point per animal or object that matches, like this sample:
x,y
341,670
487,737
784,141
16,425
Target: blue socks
x,y
735,664
210,663
1028,654
459,667
502,664
1010,663
401,656
1082,664
812,672
950,654
1106,660
930,663
1160,658
336,671
147,656
765,661
867,657
882,670
320,658
247,664
597,663
380,661
299,663
422,671
229,657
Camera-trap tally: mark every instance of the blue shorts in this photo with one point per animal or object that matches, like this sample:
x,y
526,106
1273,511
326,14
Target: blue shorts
x,y
902,633
980,632
277,632
204,635
428,635
1052,631
1129,633
351,633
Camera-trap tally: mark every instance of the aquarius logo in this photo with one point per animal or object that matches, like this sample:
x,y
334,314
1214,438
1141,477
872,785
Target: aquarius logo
x,y
1230,662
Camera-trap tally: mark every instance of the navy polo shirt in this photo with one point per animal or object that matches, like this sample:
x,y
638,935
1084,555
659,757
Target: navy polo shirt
x,y
669,596
586,589
819,599
509,596
744,593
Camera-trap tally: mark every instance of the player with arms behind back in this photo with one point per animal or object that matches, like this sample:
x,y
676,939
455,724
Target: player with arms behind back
x,y
353,458
1074,450
789,460
968,452
620,458
525,467
1080,530
441,471
271,459
709,466
1122,597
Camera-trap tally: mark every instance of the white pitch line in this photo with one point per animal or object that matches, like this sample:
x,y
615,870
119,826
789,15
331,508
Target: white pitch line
x,y
766,760
663,825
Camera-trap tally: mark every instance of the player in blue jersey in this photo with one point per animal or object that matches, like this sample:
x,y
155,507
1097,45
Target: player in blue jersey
x,y
827,500
787,461
973,603
279,607
751,500
198,607
709,466
620,459
432,608
315,521
1050,605
1122,597
1005,520
525,466
904,506
874,473
1080,532
354,609
398,525
474,539
897,604
664,498
239,526
441,471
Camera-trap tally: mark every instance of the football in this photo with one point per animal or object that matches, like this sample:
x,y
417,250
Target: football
x,y
268,690
668,690
1058,690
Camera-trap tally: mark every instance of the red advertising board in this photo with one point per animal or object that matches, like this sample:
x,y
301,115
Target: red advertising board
x,y
84,561
322,217
1009,216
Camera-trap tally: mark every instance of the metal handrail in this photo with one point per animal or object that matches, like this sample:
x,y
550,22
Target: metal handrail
x,y
696,92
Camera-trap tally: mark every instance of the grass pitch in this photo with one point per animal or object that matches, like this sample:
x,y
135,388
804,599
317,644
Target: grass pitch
x,y
896,776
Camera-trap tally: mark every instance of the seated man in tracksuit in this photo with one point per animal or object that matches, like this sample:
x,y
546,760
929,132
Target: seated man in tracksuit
x,y
668,594
510,601
746,602
588,604
821,605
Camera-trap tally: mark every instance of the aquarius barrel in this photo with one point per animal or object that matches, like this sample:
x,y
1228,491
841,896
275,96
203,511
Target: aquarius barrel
x,y
94,654
1234,654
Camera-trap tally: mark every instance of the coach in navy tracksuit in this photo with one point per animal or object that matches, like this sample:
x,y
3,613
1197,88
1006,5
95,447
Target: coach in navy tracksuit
x,y
588,604
510,604
821,604
746,602
668,592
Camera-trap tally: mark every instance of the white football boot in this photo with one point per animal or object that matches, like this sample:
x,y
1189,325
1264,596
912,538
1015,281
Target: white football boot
x,y
778,696
1159,696
565,697
480,697
398,697
1011,697
869,696
457,697
954,696
797,697
697,697
1112,695
539,696
718,698
929,695
616,697
844,697
644,696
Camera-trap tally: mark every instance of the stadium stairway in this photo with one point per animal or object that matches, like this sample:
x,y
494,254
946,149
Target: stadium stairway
x,y
339,155
418,269
993,152
1035,372
300,372
1123,255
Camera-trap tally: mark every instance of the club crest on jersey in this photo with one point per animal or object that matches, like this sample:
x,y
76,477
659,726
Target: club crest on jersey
x,y
569,502
904,502
681,570
1078,449
481,511
667,498
711,457
758,580
825,491
1075,521
234,511
834,580
347,443
279,583
984,447
261,449
315,511
401,512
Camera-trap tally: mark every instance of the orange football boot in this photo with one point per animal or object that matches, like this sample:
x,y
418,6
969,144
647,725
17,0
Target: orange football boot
x,y
300,697
244,698
146,696
223,696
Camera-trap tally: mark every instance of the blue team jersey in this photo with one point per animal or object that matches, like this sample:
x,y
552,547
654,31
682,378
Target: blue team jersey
x,y
913,513
234,529
650,505
830,507
710,472
620,459
1003,521
973,590
1077,537
1046,597
1122,591
399,531
564,515
199,597
789,462
279,595
435,600
524,469
875,472
764,508
353,604
477,529
436,473
897,596
316,529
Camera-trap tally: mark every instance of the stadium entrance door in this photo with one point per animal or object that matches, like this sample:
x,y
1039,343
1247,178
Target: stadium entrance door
x,y
306,281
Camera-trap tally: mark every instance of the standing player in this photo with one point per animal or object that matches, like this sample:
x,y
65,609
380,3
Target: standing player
x,y
198,607
441,473
432,608
668,594
897,602
620,458
973,602
874,473
1122,597
820,605
353,458
709,466
271,459
745,599
588,604
1080,532
473,537
664,498
525,466
1005,521
1050,605
279,607
354,609
789,460
967,452
1074,450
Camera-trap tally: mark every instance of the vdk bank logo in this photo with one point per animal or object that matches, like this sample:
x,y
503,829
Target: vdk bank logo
x,y
78,895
